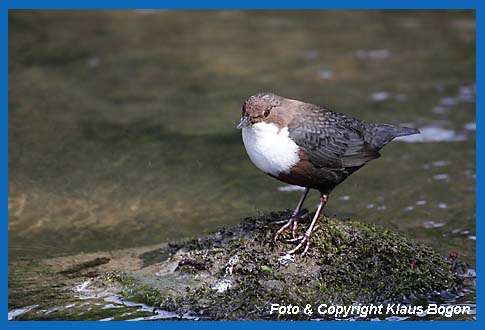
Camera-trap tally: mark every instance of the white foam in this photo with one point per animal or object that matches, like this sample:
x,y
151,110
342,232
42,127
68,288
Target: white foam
x,y
325,74
440,163
19,311
380,96
442,176
159,313
471,126
290,187
432,224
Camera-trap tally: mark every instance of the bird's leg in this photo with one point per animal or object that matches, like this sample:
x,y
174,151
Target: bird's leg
x,y
306,238
293,222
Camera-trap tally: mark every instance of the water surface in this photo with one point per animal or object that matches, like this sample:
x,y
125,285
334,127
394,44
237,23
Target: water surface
x,y
121,123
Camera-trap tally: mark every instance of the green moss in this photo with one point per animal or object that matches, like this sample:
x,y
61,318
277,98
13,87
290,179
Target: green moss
x,y
347,262
371,264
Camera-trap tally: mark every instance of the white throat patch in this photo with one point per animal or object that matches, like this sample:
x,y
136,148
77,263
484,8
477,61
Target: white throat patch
x,y
271,151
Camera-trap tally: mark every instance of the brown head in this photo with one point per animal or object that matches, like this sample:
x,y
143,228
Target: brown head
x,y
268,108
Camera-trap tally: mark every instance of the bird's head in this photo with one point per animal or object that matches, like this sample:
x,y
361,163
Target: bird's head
x,y
262,107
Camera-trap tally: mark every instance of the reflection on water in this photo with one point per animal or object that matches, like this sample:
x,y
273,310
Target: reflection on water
x,y
121,123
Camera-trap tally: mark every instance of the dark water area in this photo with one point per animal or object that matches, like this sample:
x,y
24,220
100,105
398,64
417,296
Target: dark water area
x,y
122,123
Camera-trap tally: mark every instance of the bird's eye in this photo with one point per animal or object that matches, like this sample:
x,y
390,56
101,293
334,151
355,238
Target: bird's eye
x,y
266,113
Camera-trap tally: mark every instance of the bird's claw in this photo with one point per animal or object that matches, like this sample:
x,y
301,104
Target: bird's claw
x,y
282,229
292,222
304,240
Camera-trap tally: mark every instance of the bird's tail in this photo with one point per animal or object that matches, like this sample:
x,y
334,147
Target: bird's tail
x,y
382,134
403,131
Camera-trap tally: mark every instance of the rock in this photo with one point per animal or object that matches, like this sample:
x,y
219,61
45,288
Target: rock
x,y
238,273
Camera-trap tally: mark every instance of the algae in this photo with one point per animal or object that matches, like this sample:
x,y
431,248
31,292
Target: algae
x,y
237,273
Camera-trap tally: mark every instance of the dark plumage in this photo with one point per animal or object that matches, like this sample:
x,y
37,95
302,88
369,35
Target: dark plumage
x,y
338,145
307,145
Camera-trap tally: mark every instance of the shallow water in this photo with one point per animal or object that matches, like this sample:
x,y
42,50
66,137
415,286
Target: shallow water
x,y
121,123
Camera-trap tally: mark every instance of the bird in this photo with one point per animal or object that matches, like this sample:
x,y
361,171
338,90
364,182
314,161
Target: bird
x,y
310,146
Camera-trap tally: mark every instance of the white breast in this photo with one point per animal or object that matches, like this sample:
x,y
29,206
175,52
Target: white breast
x,y
270,149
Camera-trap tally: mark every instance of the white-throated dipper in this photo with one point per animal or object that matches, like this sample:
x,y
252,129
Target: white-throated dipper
x,y
309,146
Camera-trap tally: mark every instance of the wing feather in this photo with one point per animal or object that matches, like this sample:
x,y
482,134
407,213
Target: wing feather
x,y
329,142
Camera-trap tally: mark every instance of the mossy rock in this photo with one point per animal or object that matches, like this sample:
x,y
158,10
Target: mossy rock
x,y
238,273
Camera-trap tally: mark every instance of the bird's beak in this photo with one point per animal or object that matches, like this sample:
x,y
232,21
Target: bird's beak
x,y
245,121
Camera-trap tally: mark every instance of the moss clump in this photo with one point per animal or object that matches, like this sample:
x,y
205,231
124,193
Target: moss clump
x,y
374,265
238,273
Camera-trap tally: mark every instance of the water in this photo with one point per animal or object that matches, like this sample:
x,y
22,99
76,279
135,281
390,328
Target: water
x,y
121,123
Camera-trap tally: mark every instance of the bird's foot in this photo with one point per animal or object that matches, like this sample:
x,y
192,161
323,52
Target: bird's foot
x,y
292,222
304,241
299,238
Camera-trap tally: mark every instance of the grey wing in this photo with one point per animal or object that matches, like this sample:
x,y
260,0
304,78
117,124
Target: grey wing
x,y
330,144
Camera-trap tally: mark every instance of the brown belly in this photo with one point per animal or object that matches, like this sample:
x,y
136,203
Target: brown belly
x,y
305,174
